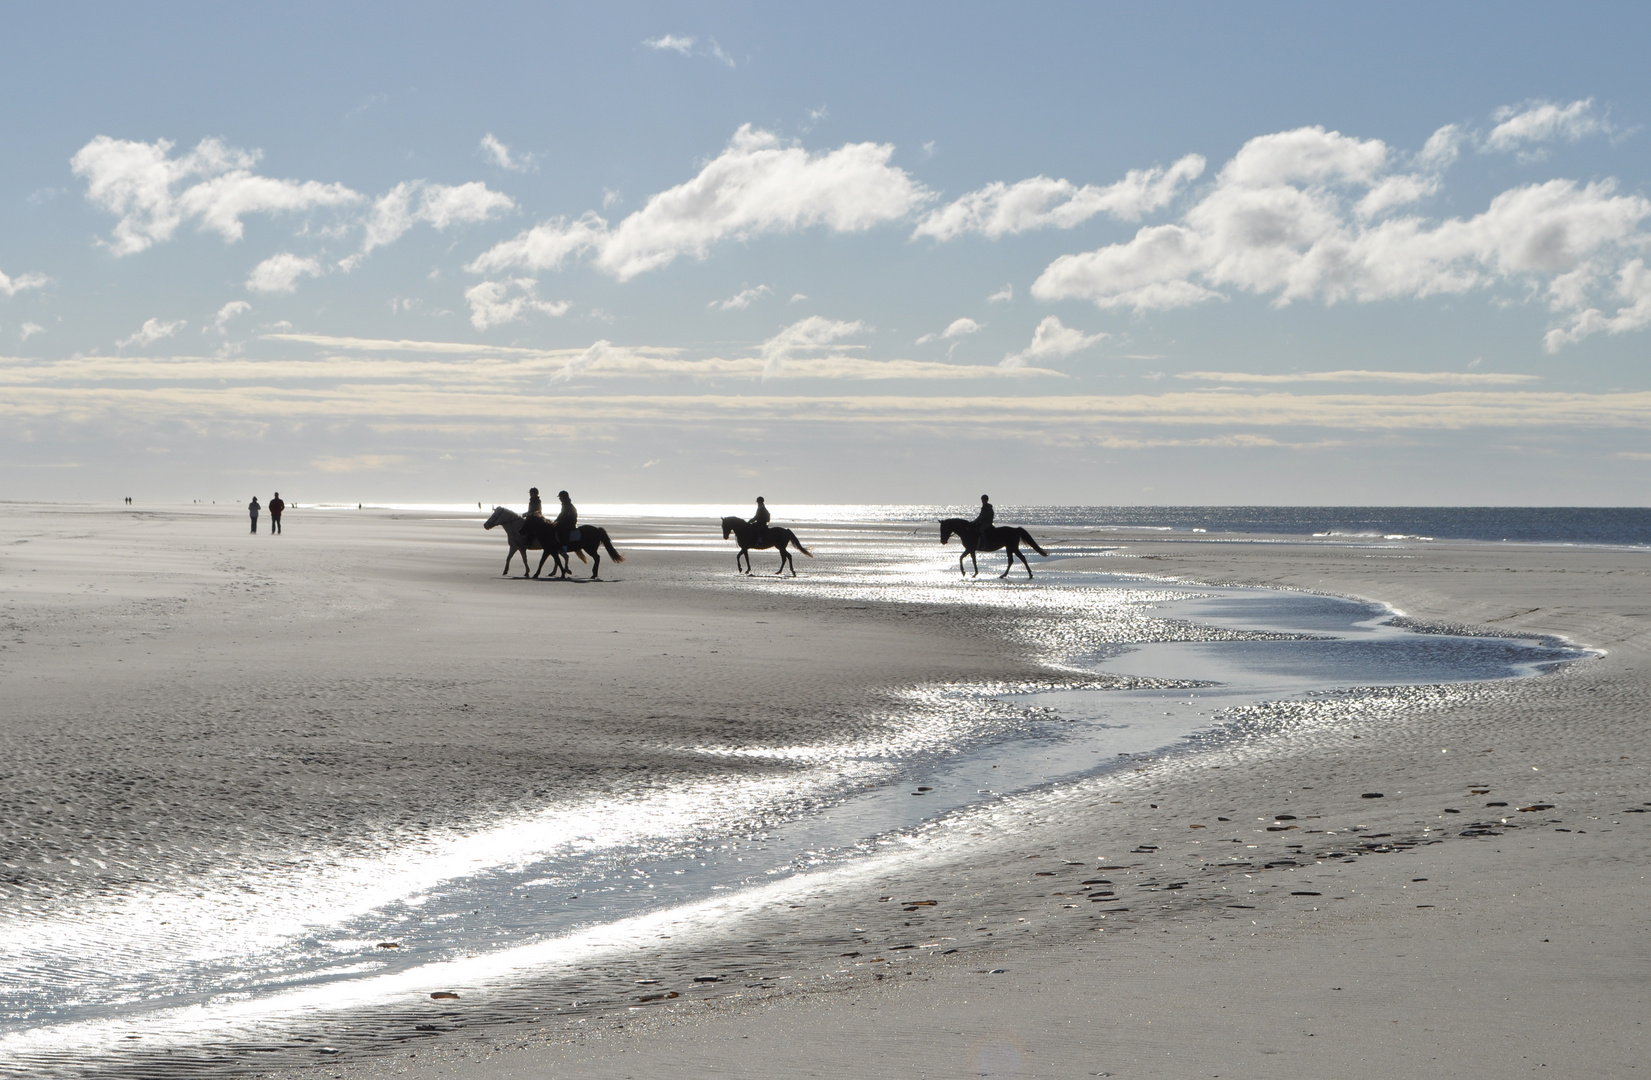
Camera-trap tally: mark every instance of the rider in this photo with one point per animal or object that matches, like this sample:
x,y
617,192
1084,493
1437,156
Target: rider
x,y
983,520
535,509
566,520
760,520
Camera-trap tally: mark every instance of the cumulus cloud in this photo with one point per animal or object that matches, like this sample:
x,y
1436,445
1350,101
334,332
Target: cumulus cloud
x,y
280,273
11,286
759,185
152,193
439,205
1543,121
956,329
1003,295
29,329
151,331
227,312
805,337
742,299
1052,340
499,154
1001,209
1314,214
492,303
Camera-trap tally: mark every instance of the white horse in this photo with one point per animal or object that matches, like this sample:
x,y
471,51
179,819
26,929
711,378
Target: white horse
x,y
512,522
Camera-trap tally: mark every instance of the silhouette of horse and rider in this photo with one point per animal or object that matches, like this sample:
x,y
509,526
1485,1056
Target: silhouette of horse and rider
x,y
531,532
982,535
757,534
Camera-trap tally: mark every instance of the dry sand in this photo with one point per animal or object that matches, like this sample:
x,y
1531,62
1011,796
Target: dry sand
x,y
378,675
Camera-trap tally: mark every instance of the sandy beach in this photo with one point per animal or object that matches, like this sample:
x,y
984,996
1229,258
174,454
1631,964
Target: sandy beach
x,y
183,700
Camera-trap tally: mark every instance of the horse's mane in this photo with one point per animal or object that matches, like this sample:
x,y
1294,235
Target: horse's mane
x,y
509,514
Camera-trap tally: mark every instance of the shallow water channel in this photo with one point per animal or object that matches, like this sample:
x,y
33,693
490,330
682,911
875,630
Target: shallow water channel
x,y
180,968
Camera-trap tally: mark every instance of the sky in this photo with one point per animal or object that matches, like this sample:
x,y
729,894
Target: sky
x,y
1061,253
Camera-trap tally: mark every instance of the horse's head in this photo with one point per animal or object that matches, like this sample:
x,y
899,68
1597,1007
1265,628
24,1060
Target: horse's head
x,y
945,530
500,516
728,524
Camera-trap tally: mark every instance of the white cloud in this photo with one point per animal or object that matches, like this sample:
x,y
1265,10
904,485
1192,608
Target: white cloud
x,y
151,331
439,205
499,154
1003,295
1633,286
742,299
280,273
1306,214
228,312
757,186
11,286
797,298
686,46
1051,341
1001,209
1543,121
29,329
956,329
491,302
805,336
146,187
672,43
1432,378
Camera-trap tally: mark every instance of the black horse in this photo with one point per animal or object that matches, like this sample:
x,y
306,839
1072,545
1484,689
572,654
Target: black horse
x,y
586,540
997,538
776,537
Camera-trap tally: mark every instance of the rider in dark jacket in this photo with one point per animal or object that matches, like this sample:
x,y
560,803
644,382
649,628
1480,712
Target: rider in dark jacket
x,y
760,520
983,520
566,520
534,507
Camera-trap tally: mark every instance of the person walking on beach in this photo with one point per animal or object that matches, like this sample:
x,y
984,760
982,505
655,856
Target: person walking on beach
x,y
566,521
275,508
252,512
760,520
983,520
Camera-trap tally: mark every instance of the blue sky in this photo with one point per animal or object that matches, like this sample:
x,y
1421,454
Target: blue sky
x,y
1064,253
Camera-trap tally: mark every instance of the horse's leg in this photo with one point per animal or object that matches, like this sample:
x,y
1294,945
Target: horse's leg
x,y
541,568
785,557
509,558
1009,563
596,566
1024,563
974,560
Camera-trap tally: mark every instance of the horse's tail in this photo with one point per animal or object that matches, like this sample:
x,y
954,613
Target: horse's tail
x,y
1026,536
613,552
799,544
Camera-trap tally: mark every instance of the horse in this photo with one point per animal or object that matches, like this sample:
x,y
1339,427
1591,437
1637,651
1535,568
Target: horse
x,y
585,540
777,537
997,537
589,538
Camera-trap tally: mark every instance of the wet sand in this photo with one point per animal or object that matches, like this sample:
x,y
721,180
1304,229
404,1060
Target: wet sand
x,y
182,697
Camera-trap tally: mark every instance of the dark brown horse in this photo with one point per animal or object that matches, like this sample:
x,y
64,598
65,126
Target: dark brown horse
x,y
997,538
586,540
773,537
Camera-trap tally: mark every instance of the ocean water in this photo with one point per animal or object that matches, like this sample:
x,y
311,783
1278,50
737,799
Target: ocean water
x,y
1615,526
234,977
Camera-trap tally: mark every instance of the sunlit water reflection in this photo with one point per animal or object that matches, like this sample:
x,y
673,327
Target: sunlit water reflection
x,y
1149,664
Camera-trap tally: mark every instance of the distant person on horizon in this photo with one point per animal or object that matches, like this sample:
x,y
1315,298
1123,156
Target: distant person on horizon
x,y
252,512
275,508
983,520
760,520
566,521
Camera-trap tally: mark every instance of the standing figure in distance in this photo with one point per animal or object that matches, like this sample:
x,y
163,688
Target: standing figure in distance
x,y
275,508
252,511
566,520
983,520
760,520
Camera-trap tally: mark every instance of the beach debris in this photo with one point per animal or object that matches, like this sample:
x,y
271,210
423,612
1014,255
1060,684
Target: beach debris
x,y
658,997
1196,826
998,971
718,978
1448,810
1478,791
388,945
1372,795
1301,892
1284,817
1536,806
922,903
444,995
1489,804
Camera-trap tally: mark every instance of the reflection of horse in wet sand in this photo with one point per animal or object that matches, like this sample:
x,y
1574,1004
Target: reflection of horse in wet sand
x,y
525,536
775,537
997,538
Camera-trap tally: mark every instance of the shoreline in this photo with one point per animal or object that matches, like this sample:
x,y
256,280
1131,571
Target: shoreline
x,y
991,883
1192,956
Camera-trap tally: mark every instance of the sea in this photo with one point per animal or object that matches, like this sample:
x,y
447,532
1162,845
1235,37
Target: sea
x,y
328,951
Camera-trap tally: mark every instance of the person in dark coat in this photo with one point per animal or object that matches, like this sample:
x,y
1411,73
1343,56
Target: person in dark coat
x,y
566,521
252,512
760,520
275,508
535,508
983,520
